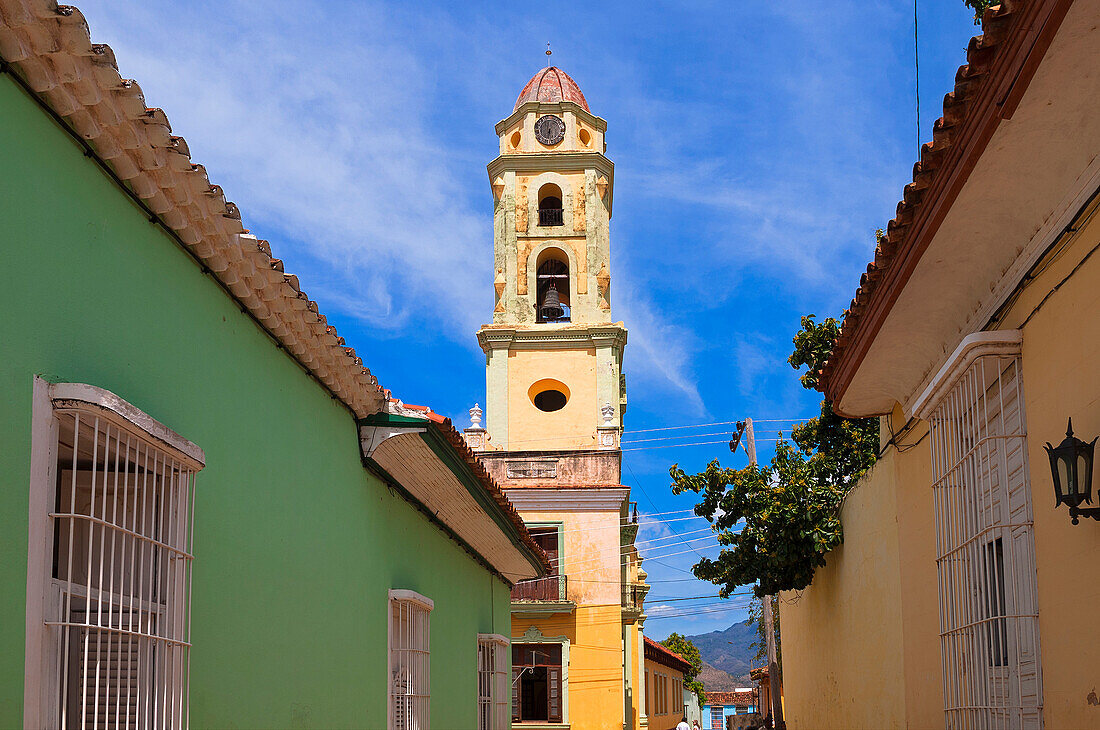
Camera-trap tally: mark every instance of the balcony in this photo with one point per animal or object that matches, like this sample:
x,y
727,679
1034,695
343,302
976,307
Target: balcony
x,y
551,217
552,588
633,597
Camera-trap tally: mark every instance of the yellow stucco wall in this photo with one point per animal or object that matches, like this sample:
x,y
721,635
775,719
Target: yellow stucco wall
x,y
842,637
571,427
1061,375
872,614
595,673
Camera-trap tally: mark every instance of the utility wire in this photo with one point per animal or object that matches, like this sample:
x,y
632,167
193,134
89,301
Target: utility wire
x,y
638,483
701,443
916,74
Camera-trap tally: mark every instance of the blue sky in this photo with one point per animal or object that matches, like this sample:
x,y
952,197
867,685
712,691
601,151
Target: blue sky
x,y
757,146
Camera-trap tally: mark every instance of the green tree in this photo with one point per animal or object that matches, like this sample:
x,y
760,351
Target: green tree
x,y
980,6
777,522
687,650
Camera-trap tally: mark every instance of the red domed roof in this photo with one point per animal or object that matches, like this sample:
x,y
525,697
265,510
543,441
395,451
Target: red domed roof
x,y
549,85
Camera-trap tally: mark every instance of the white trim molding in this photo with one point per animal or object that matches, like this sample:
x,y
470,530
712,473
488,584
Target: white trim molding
x,y
494,638
973,346
403,594
586,499
36,696
123,414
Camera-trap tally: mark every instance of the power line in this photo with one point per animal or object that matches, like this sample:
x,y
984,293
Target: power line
x,y
639,485
701,443
721,423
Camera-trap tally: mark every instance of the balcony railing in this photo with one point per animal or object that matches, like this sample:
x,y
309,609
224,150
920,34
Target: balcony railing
x,y
550,588
633,597
551,217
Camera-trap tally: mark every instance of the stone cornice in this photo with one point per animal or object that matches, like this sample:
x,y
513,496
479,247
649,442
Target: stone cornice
x,y
552,162
550,338
558,107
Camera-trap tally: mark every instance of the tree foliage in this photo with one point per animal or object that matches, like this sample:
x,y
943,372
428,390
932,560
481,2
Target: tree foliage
x,y
687,650
980,6
777,522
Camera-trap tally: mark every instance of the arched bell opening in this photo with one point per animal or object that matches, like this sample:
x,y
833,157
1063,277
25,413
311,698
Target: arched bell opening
x,y
552,287
551,212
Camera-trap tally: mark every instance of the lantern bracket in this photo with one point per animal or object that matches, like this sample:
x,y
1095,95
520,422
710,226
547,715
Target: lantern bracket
x,y
1076,512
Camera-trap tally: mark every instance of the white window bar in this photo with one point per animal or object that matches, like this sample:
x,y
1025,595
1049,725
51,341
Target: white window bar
x,y
118,602
410,688
989,628
493,687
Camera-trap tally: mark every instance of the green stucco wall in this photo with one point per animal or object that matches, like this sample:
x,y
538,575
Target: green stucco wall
x,y
296,543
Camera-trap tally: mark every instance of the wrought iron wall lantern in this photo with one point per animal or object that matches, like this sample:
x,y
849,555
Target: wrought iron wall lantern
x,y
1071,468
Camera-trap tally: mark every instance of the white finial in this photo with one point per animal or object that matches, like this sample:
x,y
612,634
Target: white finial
x,y
608,412
475,416
548,54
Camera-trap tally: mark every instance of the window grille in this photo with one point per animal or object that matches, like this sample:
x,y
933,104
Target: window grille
x,y
989,632
493,691
716,717
118,599
410,690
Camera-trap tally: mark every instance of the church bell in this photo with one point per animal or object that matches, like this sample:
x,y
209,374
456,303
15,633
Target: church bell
x,y
551,305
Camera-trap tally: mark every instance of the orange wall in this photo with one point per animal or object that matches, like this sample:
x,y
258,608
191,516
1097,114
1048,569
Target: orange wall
x,y
674,696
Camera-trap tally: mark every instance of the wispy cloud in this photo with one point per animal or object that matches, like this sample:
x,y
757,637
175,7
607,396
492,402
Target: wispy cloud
x,y
323,125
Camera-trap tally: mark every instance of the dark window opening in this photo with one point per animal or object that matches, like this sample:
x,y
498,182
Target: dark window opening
x,y
550,207
556,273
550,212
536,683
550,400
995,603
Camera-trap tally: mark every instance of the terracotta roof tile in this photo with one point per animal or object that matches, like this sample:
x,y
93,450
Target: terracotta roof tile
x,y
49,48
549,85
662,654
738,699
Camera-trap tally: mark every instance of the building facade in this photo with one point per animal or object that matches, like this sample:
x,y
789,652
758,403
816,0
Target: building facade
x,y
211,515
555,396
955,600
666,700
722,705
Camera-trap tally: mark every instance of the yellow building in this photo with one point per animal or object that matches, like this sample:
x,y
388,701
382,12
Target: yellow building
x,y
554,403
963,593
666,699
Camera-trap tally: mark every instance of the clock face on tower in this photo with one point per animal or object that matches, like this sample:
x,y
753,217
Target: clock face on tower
x,y
549,130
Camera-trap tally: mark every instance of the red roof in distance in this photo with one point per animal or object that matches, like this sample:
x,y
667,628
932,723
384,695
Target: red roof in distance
x,y
551,85
663,655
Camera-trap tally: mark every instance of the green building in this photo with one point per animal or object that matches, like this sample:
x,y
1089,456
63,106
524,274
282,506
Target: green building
x,y
211,515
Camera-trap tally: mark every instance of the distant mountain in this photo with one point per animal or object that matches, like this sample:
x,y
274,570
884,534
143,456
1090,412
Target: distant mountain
x,y
729,650
715,680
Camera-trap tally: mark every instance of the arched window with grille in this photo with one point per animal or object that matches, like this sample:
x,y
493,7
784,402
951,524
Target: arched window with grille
x,y
550,206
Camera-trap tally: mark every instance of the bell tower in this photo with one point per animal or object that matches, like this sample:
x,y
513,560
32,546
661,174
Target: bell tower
x,y
553,351
555,397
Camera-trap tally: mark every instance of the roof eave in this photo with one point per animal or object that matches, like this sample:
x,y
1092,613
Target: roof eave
x,y
1001,64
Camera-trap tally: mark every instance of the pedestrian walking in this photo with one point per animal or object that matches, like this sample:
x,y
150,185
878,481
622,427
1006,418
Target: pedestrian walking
x,y
683,724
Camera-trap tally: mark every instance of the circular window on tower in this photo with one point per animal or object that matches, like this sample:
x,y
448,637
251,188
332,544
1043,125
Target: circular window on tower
x,y
549,395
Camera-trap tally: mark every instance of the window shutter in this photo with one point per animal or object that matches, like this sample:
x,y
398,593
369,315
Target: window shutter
x,y
516,671
553,693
